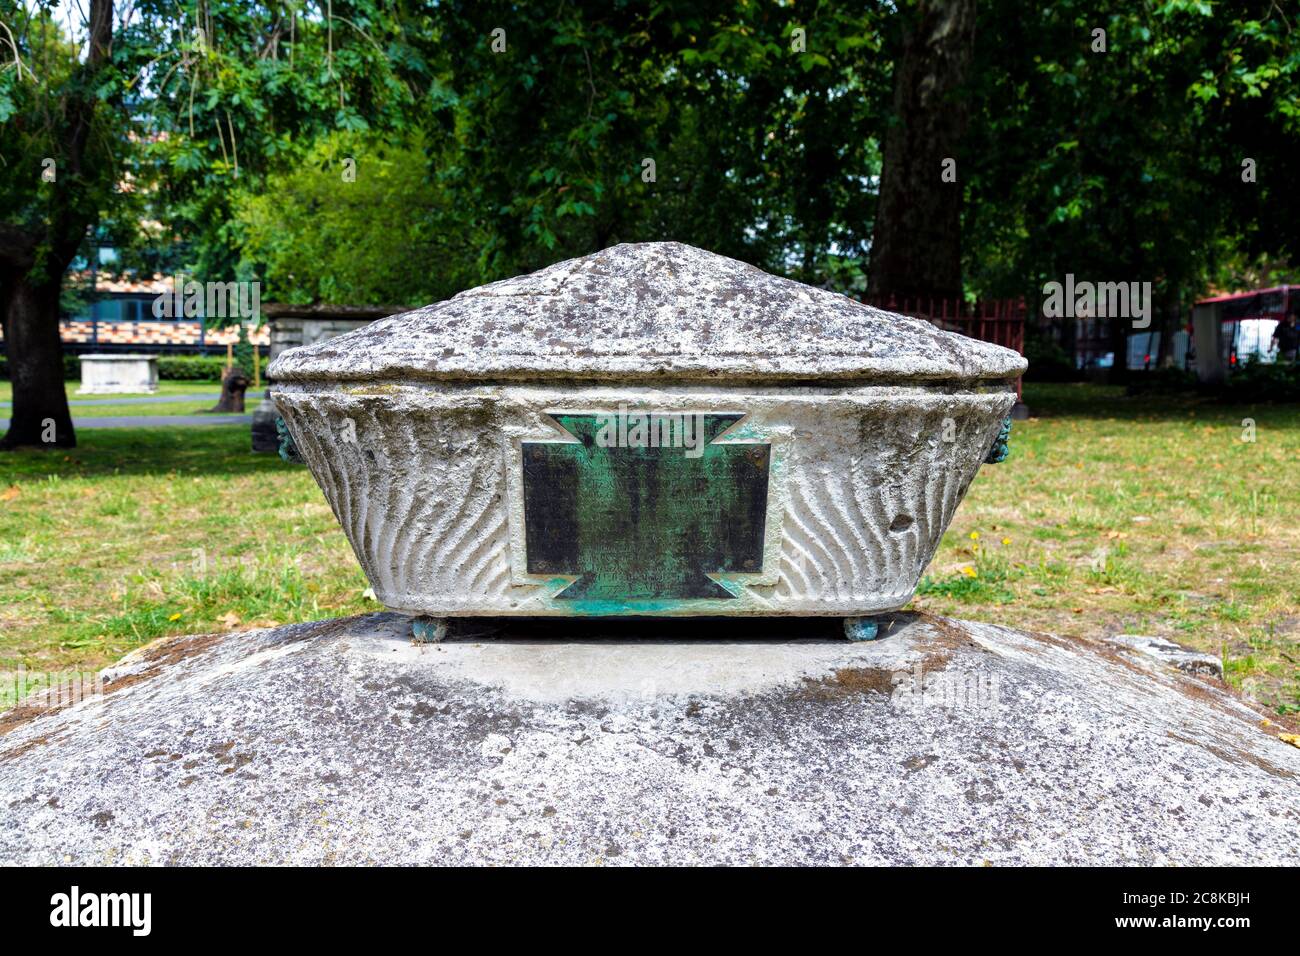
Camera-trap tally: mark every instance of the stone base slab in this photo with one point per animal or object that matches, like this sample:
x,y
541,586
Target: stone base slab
x,y
633,742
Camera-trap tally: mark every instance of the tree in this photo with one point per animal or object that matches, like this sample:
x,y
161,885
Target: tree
x,y
1117,156
169,109
916,249
711,123
63,170
346,224
759,131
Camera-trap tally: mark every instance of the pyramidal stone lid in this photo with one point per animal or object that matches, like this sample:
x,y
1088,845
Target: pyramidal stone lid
x,y
649,311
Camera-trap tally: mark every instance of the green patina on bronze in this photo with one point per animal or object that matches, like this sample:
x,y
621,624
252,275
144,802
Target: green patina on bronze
x,y
643,526
1000,449
288,450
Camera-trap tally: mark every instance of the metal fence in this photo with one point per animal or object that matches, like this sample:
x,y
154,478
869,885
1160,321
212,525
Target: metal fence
x,y
1000,321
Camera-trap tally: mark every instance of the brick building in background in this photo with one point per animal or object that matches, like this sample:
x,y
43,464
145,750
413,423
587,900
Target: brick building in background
x,y
122,319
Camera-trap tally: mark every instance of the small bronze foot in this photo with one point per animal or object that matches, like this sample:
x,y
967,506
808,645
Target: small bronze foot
x,y
429,630
861,628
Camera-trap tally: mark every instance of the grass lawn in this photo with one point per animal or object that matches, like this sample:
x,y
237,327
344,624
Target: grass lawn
x,y
179,389
138,533
192,407
1140,515
1112,515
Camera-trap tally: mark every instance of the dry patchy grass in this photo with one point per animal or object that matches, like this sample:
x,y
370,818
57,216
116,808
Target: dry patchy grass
x,y
1145,514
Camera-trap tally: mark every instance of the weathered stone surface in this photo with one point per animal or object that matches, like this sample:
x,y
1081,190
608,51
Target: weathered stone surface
x,y
307,326
265,438
1184,658
533,742
294,326
115,374
649,311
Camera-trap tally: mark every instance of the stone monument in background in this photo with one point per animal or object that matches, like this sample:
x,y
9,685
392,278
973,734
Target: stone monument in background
x,y
294,325
118,374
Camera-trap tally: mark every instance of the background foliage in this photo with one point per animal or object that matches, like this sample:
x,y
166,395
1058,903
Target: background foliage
x,y
475,164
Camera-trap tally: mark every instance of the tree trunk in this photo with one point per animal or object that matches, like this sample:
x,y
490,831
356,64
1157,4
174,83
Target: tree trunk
x,y
916,245
35,255
40,414
1171,321
233,386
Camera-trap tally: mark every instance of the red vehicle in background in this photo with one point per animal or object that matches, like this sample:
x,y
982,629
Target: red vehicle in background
x,y
1247,320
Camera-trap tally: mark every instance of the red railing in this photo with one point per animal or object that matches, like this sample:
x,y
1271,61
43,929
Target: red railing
x,y
1000,321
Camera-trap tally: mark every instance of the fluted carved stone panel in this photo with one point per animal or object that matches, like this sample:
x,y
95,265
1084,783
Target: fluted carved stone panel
x,y
864,482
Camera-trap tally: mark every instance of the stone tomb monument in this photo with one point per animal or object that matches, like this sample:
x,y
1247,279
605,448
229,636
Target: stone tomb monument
x,y
649,430
117,374
485,459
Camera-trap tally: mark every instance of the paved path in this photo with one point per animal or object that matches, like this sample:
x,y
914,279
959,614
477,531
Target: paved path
x,y
139,400
159,421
